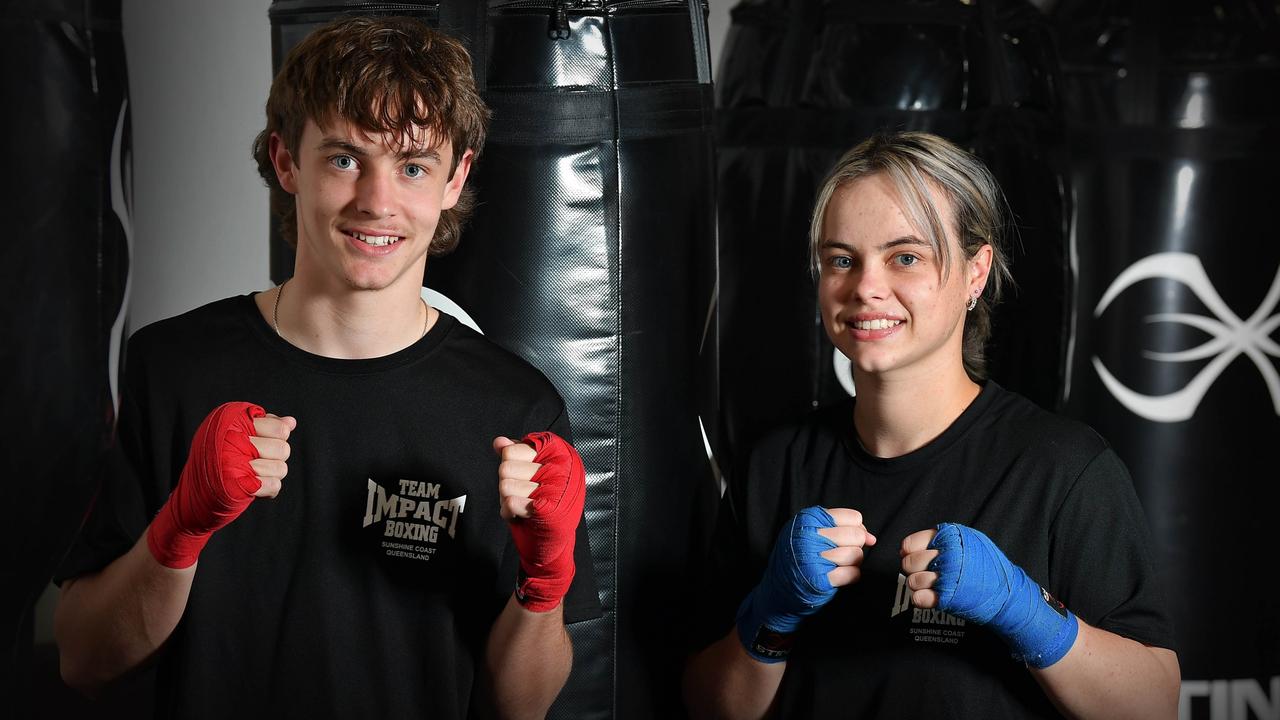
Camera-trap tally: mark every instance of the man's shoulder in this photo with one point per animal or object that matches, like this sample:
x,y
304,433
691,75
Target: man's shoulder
x,y
490,364
202,325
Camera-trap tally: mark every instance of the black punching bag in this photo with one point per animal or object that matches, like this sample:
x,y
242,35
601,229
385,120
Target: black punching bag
x,y
64,281
1175,119
802,81
592,255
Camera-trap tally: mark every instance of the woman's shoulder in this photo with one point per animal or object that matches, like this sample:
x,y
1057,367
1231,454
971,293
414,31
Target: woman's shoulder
x,y
1016,418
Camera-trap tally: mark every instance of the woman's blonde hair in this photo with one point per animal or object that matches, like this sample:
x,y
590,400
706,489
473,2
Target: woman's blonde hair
x,y
914,163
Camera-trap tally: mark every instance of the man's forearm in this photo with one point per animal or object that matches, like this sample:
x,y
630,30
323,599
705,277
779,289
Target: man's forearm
x,y
110,622
1108,676
529,657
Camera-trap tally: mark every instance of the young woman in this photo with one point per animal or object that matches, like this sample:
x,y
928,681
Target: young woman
x,y
936,546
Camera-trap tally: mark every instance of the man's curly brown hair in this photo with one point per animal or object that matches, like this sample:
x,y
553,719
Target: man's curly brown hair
x,y
387,76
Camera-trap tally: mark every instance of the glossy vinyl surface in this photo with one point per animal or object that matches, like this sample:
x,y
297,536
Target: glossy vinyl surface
x,y
1174,122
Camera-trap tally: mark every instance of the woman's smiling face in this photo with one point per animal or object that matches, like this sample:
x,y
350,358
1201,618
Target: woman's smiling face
x,y
886,302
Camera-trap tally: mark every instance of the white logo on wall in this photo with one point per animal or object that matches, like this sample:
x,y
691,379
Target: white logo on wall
x,y
1230,337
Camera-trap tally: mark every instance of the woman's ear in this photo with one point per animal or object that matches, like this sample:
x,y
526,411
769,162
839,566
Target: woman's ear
x,y
980,269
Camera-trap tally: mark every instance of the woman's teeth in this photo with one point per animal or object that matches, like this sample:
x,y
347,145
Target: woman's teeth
x,y
880,324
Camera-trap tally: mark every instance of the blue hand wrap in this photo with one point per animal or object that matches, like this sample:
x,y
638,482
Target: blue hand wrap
x,y
978,583
794,586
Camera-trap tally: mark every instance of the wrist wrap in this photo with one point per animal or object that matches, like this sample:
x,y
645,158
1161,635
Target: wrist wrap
x,y
978,583
545,539
216,485
794,586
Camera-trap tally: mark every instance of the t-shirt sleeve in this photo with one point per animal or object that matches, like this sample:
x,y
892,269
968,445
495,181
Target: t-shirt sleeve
x,y
1103,556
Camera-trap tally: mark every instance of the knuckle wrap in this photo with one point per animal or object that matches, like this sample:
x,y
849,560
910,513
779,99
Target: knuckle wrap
x,y
215,486
794,586
977,582
545,539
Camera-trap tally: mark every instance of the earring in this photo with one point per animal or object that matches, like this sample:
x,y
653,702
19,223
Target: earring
x,y
973,301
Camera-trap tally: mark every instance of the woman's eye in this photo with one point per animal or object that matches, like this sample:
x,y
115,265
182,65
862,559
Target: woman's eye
x,y
343,162
414,171
841,262
906,260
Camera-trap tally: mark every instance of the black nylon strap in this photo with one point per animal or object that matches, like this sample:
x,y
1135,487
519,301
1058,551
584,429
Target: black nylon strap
x,y
832,127
468,21
1216,143
592,116
893,12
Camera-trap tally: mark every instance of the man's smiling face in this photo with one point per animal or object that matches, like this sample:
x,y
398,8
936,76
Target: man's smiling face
x,y
367,205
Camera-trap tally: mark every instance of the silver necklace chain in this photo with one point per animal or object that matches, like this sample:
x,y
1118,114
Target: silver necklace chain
x,y
275,311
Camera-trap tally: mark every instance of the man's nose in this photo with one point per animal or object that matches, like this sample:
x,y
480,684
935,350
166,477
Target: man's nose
x,y
375,195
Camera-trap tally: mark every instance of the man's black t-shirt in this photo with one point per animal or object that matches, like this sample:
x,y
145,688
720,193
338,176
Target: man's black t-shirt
x,y
367,588
1050,493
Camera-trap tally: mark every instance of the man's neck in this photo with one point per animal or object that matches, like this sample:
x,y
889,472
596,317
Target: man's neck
x,y
347,324
902,413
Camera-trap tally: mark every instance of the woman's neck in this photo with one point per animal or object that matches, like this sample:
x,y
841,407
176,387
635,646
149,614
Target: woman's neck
x,y
898,414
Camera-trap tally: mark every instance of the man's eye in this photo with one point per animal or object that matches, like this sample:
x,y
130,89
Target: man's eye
x,y
343,162
414,171
841,262
906,260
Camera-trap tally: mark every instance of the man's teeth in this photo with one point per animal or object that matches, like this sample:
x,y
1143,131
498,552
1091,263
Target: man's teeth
x,y
375,239
880,324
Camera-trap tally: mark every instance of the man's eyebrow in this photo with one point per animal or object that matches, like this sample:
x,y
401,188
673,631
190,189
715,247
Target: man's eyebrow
x,y
350,148
343,145
421,154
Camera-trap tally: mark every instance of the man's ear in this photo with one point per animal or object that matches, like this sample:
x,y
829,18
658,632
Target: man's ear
x,y
453,189
286,168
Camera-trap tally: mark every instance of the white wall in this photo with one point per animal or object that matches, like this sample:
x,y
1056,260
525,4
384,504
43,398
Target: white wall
x,y
198,77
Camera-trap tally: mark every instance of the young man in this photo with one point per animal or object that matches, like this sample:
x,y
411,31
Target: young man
x,y
899,554
416,560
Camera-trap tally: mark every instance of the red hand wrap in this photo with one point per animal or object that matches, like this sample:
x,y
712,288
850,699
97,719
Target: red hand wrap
x,y
545,539
216,485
